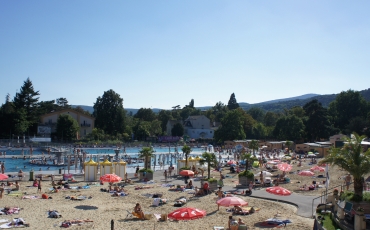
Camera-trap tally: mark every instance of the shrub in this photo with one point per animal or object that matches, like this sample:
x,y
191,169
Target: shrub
x,y
210,180
351,196
146,170
247,174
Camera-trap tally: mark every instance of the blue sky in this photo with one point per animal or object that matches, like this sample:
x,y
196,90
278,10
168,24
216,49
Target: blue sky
x,y
158,54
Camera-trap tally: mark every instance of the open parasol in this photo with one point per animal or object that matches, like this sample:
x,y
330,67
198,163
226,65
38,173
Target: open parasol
x,y
306,173
187,173
186,213
231,201
317,168
284,167
3,177
111,178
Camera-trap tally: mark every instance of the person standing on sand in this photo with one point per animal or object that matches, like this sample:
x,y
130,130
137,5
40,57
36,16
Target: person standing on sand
x,y
165,175
348,180
39,186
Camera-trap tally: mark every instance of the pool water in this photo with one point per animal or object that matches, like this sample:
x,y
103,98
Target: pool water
x,y
18,162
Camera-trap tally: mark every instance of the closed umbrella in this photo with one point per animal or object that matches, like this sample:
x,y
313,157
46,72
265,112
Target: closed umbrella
x,y
306,173
284,167
111,178
3,177
187,173
187,213
231,201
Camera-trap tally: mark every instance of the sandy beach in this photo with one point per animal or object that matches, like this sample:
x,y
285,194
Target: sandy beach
x,y
102,207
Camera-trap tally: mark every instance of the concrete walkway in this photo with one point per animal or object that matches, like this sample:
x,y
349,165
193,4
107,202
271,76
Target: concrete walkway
x,y
303,203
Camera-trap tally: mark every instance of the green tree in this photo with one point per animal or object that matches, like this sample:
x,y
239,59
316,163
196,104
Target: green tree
x,y
270,119
155,128
317,124
231,127
353,159
211,161
253,144
142,130
232,104
145,114
289,128
191,103
27,99
257,113
62,102
164,116
67,127
146,153
259,131
177,130
109,113
247,157
346,106
186,150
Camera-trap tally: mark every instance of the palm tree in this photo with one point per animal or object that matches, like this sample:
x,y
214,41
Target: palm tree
x,y
187,150
211,161
145,153
246,157
253,145
351,158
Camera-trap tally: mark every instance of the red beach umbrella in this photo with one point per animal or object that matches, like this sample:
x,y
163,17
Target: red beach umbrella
x,y
231,201
187,213
3,177
284,167
277,190
230,162
111,178
187,173
306,173
317,168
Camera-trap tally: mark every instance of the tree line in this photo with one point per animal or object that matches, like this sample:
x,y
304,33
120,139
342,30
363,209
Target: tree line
x,y
348,113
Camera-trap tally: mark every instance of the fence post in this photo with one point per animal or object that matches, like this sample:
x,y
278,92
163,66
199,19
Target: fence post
x,y
112,225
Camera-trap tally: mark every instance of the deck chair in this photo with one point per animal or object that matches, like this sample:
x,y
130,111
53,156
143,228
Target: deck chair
x,y
349,212
131,214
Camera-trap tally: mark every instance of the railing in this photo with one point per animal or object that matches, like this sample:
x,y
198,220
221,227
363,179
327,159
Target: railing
x,y
325,193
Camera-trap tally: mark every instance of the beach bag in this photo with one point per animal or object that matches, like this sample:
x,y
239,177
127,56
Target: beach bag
x,y
44,196
163,217
156,201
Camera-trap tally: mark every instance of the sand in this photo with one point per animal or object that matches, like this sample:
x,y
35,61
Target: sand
x,y
103,208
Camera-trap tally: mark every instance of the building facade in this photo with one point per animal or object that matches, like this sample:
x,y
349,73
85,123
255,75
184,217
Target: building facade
x,y
48,122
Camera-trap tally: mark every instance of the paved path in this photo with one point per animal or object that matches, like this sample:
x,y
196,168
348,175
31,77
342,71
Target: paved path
x,y
303,203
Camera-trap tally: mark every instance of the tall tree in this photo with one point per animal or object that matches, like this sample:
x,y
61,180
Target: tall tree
x,y
347,105
191,103
62,102
164,116
353,159
317,123
232,104
231,127
27,99
289,128
109,113
145,114
177,130
257,113
209,159
67,127
186,149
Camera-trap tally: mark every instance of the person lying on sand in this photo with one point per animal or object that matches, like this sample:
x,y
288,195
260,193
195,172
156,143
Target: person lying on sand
x,y
238,209
54,214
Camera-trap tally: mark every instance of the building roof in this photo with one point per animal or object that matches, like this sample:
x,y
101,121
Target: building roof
x,y
66,110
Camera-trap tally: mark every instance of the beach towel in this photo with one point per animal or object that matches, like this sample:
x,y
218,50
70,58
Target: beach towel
x,y
279,222
15,193
30,197
16,223
9,211
167,185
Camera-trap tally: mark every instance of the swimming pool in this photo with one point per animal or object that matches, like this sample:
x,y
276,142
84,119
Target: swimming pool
x,y
18,162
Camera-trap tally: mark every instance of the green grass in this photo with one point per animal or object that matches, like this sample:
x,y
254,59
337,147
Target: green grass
x,y
329,224
350,196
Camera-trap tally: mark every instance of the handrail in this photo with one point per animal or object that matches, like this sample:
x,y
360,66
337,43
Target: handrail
x,y
326,194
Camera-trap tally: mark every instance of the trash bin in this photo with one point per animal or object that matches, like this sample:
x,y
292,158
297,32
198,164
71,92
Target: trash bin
x,y
60,171
31,175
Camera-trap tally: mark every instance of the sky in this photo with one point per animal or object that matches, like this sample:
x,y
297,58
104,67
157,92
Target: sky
x,y
159,54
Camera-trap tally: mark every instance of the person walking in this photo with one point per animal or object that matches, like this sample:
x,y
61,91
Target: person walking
x,y
39,186
165,175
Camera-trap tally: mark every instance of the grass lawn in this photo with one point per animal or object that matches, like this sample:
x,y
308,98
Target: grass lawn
x,y
329,224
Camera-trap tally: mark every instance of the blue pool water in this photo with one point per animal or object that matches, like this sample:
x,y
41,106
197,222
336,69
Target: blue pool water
x,y
18,162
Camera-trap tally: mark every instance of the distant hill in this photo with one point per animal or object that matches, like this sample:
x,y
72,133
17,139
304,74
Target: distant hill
x,y
273,105
90,109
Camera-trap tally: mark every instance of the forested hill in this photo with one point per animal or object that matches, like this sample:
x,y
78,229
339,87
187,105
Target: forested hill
x,y
280,105
274,105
